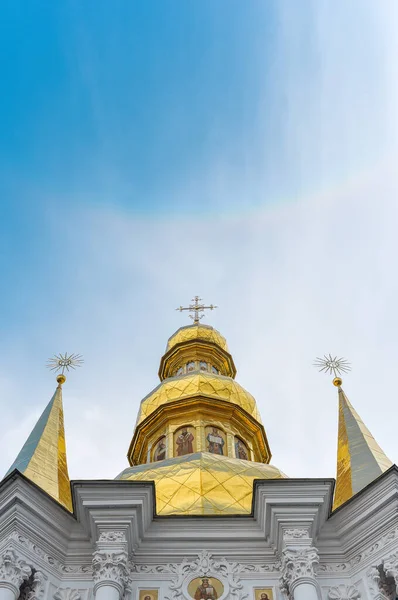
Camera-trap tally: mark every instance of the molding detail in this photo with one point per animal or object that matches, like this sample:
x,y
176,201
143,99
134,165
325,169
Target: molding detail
x,y
202,566
110,568
67,594
295,534
238,568
383,541
333,567
112,536
46,558
344,592
297,563
13,570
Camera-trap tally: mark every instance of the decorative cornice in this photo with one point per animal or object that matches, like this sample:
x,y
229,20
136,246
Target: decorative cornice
x,y
297,563
383,541
13,570
49,560
343,592
238,568
333,567
67,594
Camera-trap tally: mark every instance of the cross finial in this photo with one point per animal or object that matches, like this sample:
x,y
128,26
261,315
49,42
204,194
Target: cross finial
x,y
196,308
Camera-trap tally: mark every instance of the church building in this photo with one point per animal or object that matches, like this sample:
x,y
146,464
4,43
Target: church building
x,y
200,513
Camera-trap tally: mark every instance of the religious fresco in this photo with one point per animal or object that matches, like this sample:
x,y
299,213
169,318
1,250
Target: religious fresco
x,y
149,595
205,588
215,440
263,594
184,440
241,450
159,450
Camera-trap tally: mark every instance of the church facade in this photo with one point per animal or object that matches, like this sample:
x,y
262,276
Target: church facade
x,y
200,513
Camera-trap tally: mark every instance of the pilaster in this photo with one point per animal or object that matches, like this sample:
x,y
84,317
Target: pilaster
x,y
110,572
299,561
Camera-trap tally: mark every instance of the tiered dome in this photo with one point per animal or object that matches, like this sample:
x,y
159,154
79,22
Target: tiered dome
x,y
199,435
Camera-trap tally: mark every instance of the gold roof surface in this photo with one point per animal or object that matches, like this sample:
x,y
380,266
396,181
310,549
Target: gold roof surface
x,y
198,384
360,460
202,483
197,331
43,456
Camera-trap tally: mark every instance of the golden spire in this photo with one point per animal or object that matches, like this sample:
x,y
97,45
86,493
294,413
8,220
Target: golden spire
x,y
43,456
360,460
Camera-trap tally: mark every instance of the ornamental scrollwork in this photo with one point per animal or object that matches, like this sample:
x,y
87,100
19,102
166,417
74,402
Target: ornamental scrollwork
x,y
112,536
205,565
344,592
13,570
296,563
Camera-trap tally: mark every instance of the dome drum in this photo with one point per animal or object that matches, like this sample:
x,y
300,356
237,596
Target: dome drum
x,y
196,350
156,437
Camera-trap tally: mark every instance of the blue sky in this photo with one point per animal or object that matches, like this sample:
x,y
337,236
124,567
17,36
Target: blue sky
x,y
244,151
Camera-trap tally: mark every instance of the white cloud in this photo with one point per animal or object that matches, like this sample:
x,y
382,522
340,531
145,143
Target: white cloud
x,y
293,279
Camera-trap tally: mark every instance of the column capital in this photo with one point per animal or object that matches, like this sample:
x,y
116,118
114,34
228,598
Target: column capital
x,y
13,570
298,566
110,561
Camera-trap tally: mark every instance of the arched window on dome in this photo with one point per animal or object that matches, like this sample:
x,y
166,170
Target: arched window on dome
x,y
180,371
214,370
159,449
215,440
241,449
203,365
190,366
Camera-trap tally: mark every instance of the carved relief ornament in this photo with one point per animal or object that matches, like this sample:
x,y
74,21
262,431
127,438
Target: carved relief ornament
x,y
67,594
297,563
35,587
13,570
344,592
205,566
110,568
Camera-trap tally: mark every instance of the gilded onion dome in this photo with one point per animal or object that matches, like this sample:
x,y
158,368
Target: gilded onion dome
x,y
199,434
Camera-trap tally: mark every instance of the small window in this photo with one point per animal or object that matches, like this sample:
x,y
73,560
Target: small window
x,y
180,371
190,366
214,370
203,366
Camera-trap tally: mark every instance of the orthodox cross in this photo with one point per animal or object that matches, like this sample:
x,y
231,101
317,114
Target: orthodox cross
x,y
196,309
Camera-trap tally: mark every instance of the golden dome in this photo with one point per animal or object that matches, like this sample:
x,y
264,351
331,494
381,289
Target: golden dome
x,y
198,384
202,483
197,331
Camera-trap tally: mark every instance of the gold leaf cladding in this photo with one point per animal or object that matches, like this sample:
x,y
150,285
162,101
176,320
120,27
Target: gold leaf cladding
x,y
205,384
190,332
203,483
